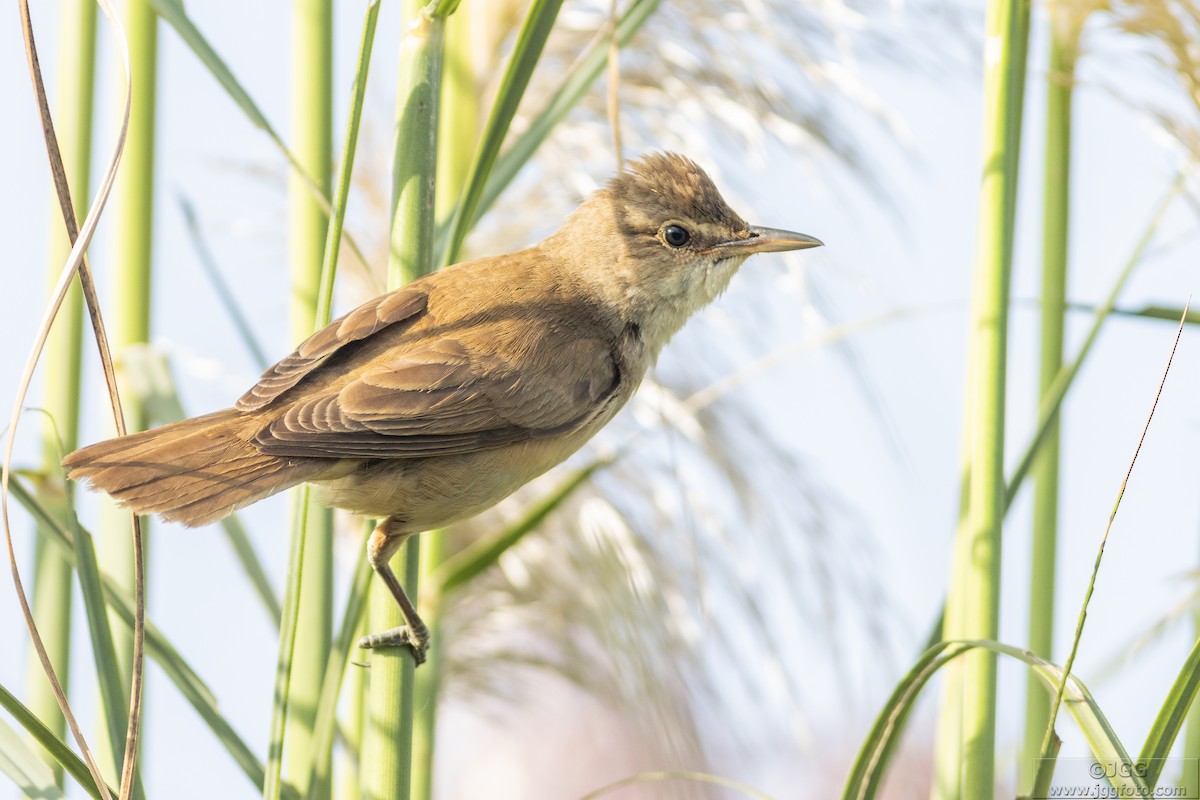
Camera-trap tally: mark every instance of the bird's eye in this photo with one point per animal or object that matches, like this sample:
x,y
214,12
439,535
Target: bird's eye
x,y
676,236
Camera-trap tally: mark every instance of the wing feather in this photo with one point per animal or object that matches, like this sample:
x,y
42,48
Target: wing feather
x,y
448,398
400,306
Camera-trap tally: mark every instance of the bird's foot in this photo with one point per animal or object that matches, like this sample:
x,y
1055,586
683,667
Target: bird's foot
x,y
418,642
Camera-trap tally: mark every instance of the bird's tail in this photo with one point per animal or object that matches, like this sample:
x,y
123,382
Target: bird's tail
x,y
195,471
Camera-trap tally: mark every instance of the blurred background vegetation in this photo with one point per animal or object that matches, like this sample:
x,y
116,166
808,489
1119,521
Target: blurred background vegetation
x,y
733,576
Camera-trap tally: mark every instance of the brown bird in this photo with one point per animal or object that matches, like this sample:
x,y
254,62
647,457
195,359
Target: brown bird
x,y
434,402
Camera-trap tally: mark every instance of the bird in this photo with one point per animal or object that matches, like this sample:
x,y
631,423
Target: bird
x,y
433,402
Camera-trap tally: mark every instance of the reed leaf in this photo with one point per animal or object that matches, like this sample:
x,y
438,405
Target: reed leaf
x,y
225,294
174,666
13,748
578,81
32,776
870,766
174,14
1171,314
1053,397
526,52
76,267
1172,715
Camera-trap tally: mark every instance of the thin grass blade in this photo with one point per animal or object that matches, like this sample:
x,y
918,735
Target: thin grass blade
x,y
335,672
333,237
320,755
173,12
528,49
1053,398
1107,530
273,787
53,583
586,71
76,265
225,294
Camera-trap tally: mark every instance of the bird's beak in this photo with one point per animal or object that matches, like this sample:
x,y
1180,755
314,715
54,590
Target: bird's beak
x,y
766,240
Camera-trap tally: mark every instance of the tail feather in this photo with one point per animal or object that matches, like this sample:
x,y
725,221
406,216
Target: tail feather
x,y
195,471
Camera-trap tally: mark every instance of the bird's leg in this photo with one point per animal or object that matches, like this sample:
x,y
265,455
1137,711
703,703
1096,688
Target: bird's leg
x,y
382,546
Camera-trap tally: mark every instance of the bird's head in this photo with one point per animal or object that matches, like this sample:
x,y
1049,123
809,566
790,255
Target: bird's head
x,y
662,242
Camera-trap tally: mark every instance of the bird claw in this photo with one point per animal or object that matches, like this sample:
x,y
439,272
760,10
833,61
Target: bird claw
x,y
399,637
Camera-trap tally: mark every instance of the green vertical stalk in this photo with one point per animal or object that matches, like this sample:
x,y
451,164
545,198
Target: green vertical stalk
x,y
311,127
319,734
947,777
429,678
976,581
133,212
458,126
53,579
349,783
1064,39
387,765
458,117
414,166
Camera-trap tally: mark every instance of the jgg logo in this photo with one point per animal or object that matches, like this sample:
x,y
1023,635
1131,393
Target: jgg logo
x,y
1114,769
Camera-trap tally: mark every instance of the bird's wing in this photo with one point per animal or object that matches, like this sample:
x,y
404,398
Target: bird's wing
x,y
447,397
402,305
